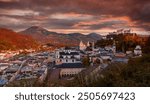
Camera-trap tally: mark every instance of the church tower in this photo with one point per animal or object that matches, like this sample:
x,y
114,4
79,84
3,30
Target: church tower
x,y
93,46
82,46
88,44
114,47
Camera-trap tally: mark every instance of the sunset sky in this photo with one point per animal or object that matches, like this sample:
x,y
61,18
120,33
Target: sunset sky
x,y
82,16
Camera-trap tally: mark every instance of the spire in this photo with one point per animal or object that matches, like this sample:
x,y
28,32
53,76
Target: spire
x,y
88,44
93,45
81,43
114,46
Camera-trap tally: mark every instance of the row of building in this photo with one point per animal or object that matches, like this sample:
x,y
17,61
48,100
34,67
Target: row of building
x,y
31,66
69,60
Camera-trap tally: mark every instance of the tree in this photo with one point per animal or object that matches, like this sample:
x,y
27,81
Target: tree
x,y
103,43
134,74
86,61
146,48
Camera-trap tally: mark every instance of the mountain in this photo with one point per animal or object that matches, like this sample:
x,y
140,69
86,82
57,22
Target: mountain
x,y
44,36
38,30
12,40
94,36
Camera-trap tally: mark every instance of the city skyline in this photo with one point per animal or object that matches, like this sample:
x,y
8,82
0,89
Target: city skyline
x,y
66,16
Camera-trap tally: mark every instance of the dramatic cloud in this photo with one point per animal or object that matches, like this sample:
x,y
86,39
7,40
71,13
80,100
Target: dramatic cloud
x,y
76,15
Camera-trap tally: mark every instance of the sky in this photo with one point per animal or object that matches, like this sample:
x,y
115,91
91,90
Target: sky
x,y
83,16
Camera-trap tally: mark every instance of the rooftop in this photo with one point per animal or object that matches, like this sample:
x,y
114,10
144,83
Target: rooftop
x,y
69,53
71,65
122,60
3,81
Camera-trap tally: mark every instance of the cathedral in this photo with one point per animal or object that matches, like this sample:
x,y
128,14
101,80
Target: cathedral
x,y
82,46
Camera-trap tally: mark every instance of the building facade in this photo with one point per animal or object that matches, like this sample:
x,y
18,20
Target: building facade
x,y
69,62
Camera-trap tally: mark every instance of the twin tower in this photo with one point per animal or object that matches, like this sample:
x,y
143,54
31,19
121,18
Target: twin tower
x,y
83,46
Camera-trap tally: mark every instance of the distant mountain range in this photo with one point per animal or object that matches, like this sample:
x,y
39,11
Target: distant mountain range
x,y
12,40
44,36
34,36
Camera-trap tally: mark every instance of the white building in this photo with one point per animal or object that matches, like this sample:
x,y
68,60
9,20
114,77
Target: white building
x,y
111,48
123,31
138,50
2,56
105,56
69,62
67,56
70,69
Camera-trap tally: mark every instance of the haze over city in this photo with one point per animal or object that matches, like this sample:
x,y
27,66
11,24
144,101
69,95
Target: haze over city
x,y
84,16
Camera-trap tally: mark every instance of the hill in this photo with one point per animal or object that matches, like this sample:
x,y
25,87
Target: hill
x,y
12,40
44,36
